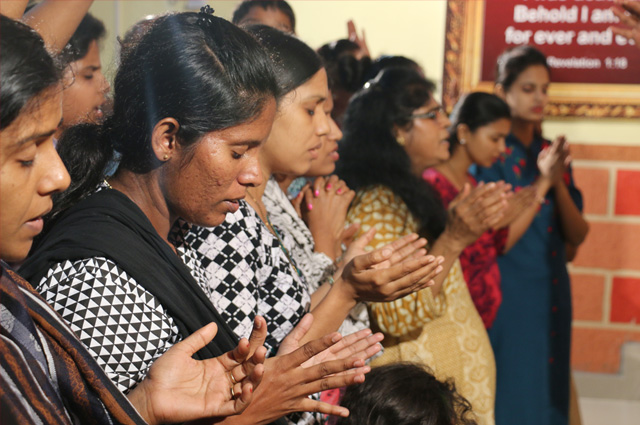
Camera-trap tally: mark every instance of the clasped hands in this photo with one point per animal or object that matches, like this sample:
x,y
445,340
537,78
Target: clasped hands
x,y
179,388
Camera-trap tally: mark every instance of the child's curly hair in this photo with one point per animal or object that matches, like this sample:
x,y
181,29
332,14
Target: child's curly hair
x,y
405,394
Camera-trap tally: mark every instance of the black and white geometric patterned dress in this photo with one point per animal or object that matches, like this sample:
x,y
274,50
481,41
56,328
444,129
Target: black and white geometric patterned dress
x,y
124,327
251,275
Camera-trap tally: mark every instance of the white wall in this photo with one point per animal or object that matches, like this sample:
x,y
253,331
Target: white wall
x,y
414,28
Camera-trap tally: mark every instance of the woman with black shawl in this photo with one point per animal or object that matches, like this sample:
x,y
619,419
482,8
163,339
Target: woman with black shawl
x,y
187,123
46,374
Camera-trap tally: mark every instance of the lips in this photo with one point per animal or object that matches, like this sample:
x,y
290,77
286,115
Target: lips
x,y
314,151
232,205
537,109
36,224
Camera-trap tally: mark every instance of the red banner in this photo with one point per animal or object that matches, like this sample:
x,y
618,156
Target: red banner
x,y
573,34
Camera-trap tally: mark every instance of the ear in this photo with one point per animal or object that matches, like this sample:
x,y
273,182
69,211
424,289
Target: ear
x,y
498,90
400,132
163,139
463,132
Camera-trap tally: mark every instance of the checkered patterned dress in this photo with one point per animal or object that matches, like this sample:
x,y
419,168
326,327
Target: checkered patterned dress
x,y
251,275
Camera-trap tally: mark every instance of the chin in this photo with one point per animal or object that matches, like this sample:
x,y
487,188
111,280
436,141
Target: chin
x,y
17,253
211,220
323,171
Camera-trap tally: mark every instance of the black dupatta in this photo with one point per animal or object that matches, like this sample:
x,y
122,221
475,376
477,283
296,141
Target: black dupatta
x,y
108,224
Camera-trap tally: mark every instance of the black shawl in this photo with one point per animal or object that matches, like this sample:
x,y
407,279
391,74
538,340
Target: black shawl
x,y
108,224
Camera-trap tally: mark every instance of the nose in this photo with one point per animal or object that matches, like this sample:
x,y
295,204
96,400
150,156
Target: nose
x,y
55,177
323,127
335,134
444,118
502,146
251,174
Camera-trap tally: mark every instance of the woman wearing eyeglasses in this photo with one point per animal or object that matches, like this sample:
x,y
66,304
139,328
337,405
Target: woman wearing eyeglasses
x,y
393,130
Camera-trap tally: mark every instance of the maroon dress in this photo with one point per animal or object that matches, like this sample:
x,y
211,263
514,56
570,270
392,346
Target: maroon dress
x,y
479,260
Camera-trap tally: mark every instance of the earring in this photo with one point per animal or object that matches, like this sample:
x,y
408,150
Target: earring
x,y
400,140
463,142
165,157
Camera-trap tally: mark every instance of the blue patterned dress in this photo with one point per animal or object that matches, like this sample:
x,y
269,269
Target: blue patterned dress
x,y
531,336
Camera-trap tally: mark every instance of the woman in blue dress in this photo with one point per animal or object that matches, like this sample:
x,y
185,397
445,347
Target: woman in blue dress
x,y
531,336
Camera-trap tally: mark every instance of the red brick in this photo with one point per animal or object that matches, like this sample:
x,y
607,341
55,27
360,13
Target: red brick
x,y
625,300
610,246
628,193
587,292
605,152
598,350
594,184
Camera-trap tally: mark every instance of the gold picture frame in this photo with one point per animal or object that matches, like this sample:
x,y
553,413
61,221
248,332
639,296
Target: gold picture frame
x,y
462,62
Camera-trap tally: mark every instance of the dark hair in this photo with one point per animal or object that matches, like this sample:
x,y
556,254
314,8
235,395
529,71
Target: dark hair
x,y
244,7
199,69
385,61
294,62
343,69
476,110
27,69
405,394
135,34
370,154
513,62
89,30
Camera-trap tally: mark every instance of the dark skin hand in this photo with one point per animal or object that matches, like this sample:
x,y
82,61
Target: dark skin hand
x,y
292,376
179,388
629,14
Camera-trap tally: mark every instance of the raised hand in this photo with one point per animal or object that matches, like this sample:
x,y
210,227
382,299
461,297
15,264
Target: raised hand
x,y
290,377
474,211
629,14
517,203
553,160
362,344
179,388
324,210
390,272
361,41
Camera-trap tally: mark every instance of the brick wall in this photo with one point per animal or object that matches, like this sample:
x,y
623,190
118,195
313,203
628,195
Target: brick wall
x,y
606,272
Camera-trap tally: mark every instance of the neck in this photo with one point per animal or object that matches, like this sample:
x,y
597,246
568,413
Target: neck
x,y
417,170
254,194
523,130
284,181
456,167
145,192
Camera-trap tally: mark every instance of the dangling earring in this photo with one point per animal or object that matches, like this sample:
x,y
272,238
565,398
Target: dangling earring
x,y
400,140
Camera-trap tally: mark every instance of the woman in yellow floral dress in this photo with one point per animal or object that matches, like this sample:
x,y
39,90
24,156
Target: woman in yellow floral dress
x,y
393,131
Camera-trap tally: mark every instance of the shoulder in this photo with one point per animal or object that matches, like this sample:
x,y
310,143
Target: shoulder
x,y
378,196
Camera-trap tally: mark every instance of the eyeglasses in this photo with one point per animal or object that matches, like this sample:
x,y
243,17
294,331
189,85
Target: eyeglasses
x,y
431,115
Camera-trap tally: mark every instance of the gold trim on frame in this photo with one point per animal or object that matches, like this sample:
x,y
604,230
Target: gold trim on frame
x,y
462,62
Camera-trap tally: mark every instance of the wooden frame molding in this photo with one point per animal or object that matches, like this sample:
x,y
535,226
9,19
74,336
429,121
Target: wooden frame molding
x,y
462,62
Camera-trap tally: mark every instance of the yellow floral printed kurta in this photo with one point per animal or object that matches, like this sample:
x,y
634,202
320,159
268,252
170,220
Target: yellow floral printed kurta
x,y
444,332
